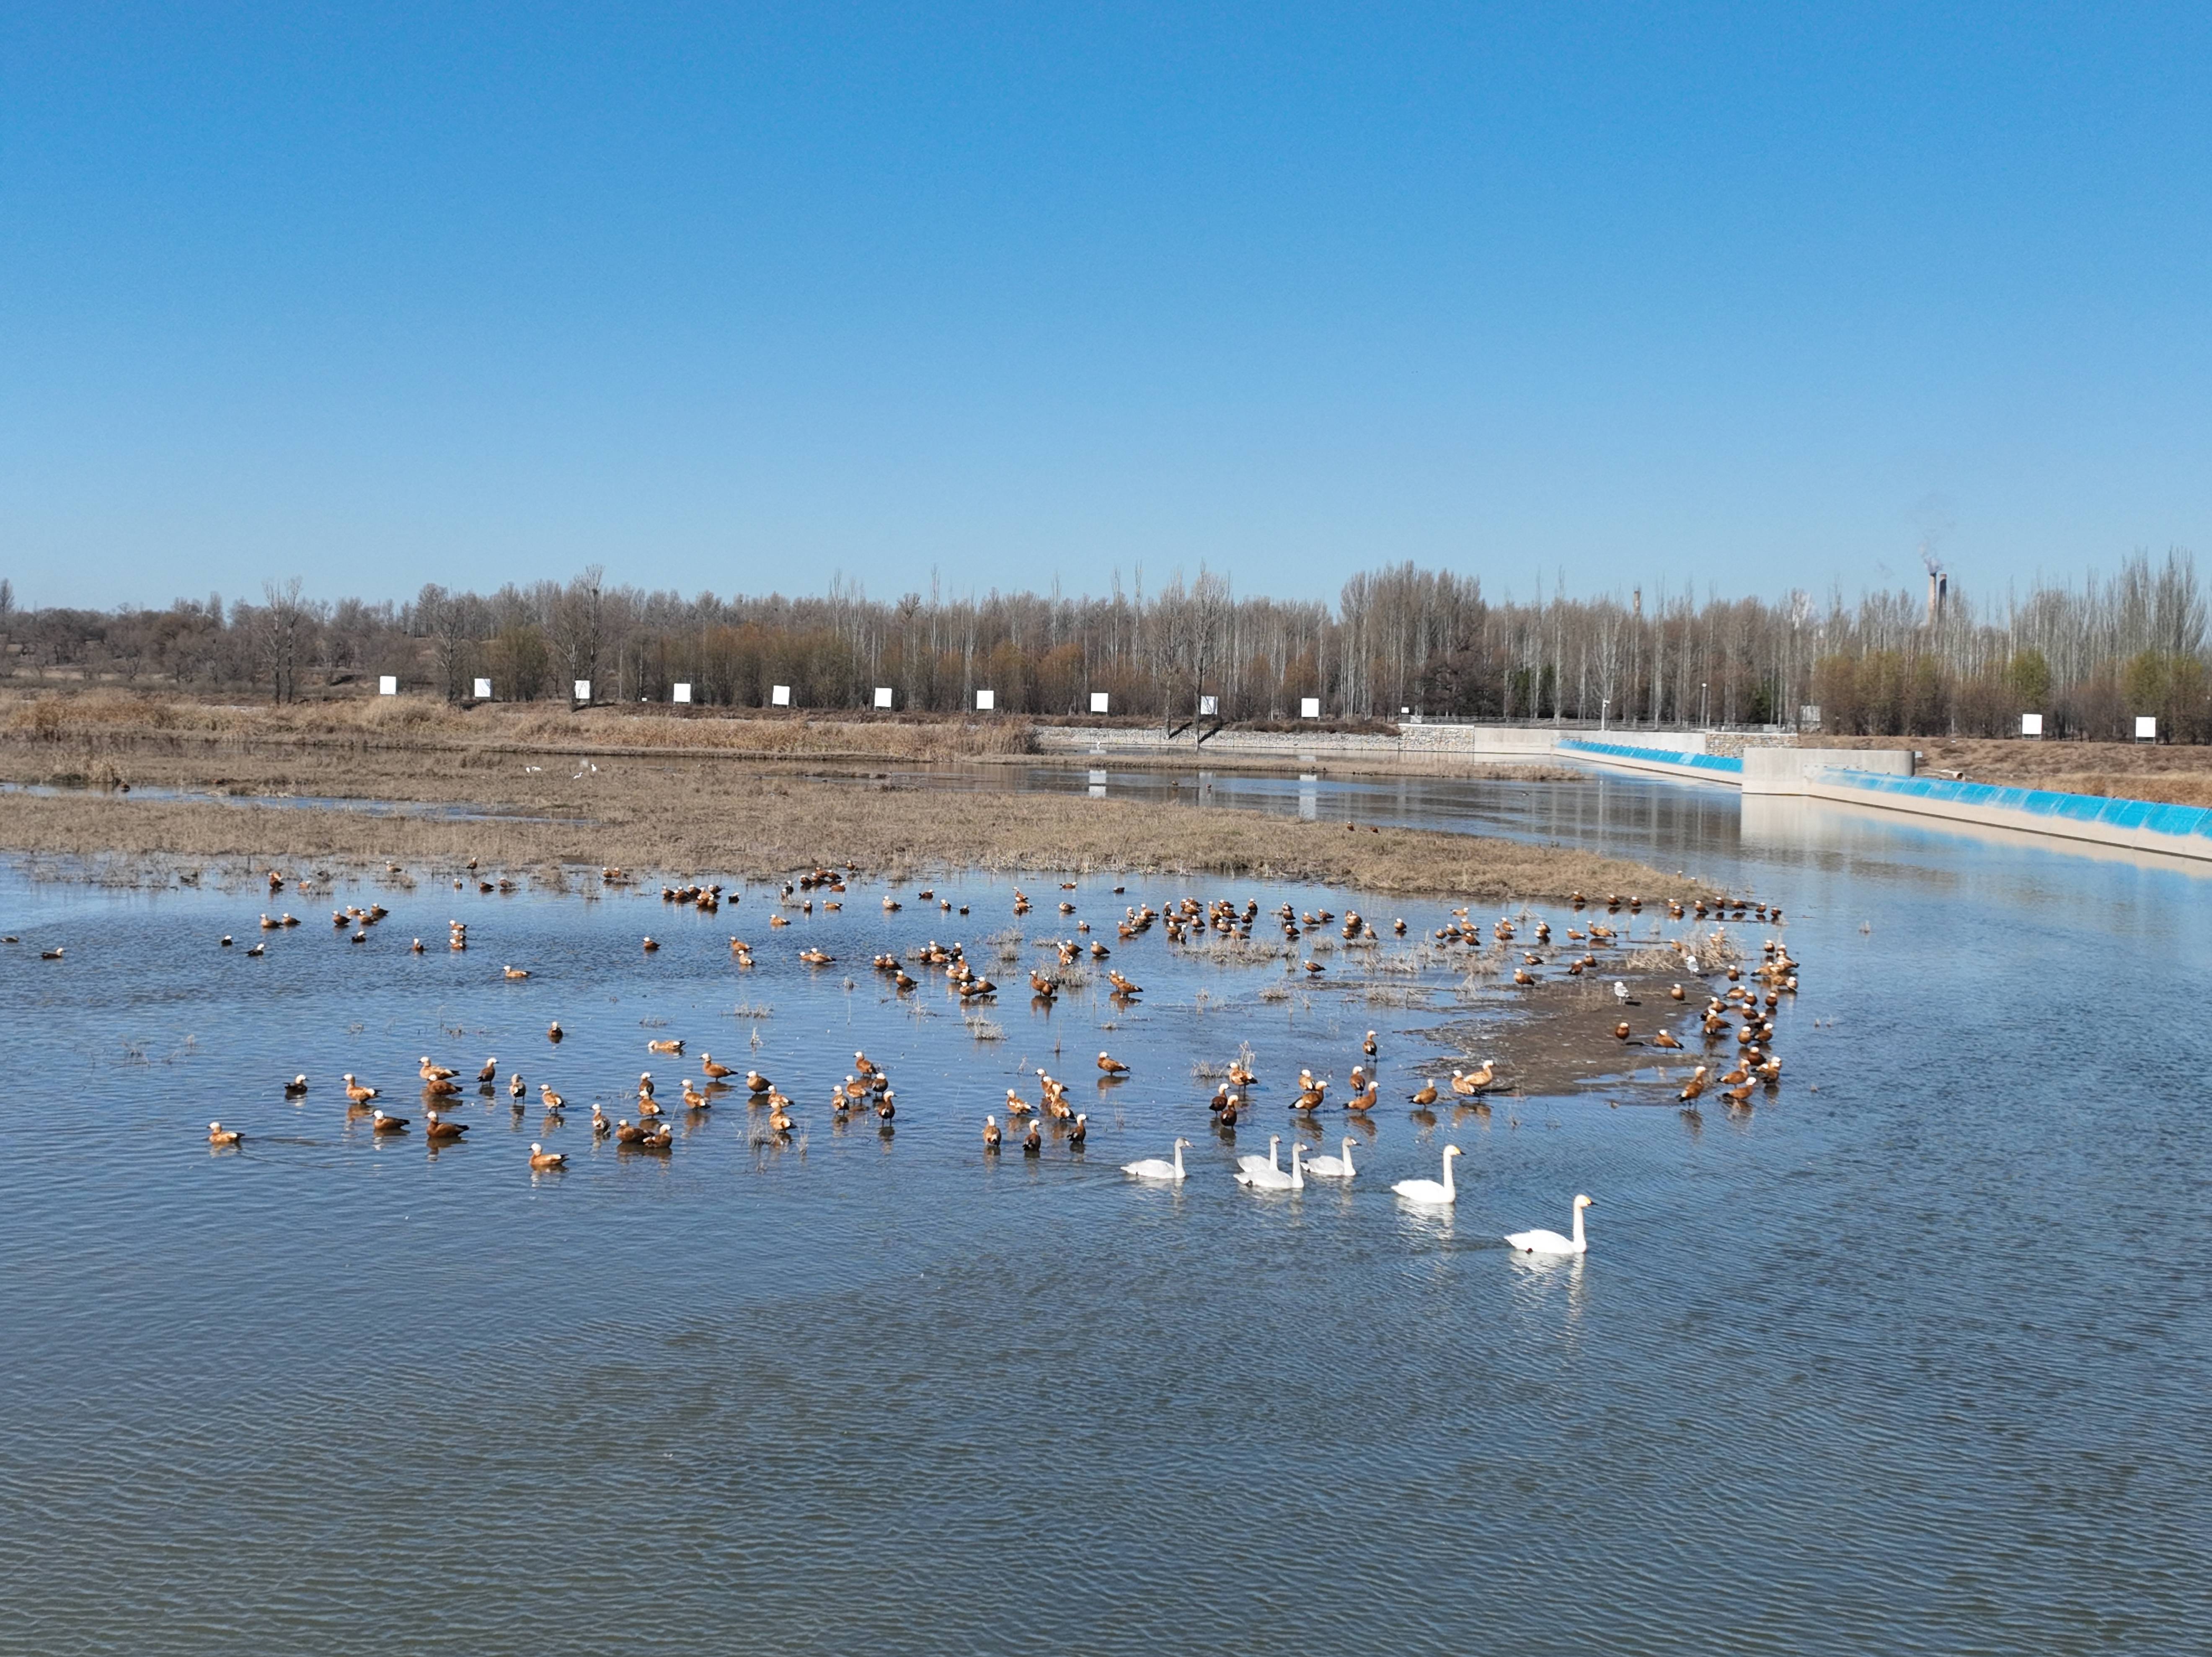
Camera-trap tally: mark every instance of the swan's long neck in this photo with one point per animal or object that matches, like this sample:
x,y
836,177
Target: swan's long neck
x,y
1449,1189
1579,1244
1275,1151
1347,1156
1178,1168
1297,1168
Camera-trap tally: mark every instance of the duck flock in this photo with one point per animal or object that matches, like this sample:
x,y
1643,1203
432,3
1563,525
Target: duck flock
x,y
1733,1029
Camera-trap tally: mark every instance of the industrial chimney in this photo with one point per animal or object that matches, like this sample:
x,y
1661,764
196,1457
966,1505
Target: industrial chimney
x,y
1939,587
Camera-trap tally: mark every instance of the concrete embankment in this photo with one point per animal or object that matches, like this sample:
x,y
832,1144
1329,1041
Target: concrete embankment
x,y
1879,778
2183,831
1415,747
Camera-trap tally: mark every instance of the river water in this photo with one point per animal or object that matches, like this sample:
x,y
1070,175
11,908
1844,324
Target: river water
x,y
1912,1358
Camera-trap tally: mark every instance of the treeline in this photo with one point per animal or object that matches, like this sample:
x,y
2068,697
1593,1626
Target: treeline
x,y
2089,657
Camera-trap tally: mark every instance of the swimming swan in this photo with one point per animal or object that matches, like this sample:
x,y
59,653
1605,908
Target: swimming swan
x,y
1250,1163
1153,1167
1551,1243
1438,1194
1334,1167
1273,1179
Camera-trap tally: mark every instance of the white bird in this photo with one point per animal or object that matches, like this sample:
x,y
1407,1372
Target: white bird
x,y
1690,962
1249,1163
1334,1167
1153,1168
1437,1193
1551,1243
1620,991
1273,1179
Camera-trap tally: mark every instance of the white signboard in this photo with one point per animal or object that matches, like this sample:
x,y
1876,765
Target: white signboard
x,y
484,690
779,696
1808,714
2030,725
1209,706
883,695
387,686
986,700
1310,708
683,690
583,690
1097,701
2146,728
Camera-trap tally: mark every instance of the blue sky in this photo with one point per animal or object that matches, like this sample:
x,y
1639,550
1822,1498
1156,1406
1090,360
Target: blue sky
x,y
732,298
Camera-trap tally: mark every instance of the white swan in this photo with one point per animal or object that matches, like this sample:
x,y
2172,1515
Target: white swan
x,y
1273,1179
1249,1163
1551,1243
1437,1193
1334,1167
1153,1168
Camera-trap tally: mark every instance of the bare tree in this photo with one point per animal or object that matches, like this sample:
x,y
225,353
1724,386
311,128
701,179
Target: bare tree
x,y
440,615
578,624
1193,622
284,625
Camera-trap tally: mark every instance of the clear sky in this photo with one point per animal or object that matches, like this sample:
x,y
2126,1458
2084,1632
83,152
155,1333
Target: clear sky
x,y
732,298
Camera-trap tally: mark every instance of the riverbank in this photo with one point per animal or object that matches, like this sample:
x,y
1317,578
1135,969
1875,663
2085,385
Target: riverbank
x,y
2169,773
713,822
545,808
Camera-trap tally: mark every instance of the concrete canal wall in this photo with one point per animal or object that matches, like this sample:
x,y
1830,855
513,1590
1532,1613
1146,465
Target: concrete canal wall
x,y
1417,746
1758,763
1690,765
2128,824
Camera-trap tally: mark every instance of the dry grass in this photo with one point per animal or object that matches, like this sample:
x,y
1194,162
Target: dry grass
x,y
1719,944
101,722
1396,995
2169,788
559,809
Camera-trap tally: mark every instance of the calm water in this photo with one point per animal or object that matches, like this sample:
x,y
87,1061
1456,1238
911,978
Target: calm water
x,y
1912,1359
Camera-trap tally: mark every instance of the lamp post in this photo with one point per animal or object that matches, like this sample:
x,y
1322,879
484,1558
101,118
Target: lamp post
x,y
1603,703
1701,703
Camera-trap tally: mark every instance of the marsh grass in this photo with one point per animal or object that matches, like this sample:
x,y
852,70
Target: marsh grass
x,y
1719,944
1395,995
691,807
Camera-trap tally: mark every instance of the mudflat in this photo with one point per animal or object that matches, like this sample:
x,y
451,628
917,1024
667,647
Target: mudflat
x,y
749,799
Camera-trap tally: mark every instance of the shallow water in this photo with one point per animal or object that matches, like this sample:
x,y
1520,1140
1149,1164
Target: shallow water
x,y
1911,1359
